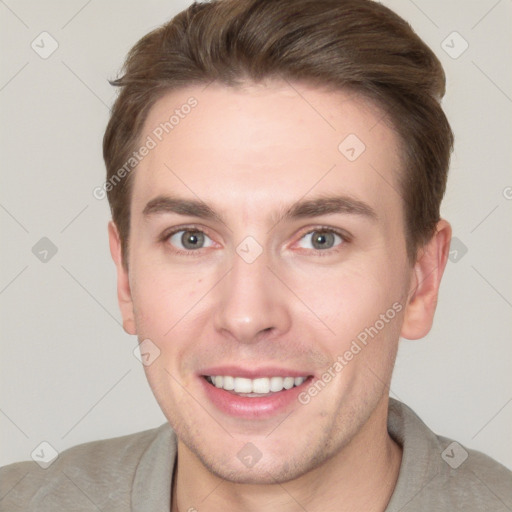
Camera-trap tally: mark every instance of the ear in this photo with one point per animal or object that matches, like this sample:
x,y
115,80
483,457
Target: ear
x,y
427,273
124,295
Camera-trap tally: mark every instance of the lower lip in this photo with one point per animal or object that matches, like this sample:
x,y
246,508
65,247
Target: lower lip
x,y
253,407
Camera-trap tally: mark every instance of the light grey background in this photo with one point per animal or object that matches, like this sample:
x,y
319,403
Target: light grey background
x,y
68,374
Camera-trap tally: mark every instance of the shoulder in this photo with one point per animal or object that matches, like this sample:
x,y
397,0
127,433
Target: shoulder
x,y
470,478
441,474
90,476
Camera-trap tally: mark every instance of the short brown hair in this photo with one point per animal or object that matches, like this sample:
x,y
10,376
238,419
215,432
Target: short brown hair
x,y
340,44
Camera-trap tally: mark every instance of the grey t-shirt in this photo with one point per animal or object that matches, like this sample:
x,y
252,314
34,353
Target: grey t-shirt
x,y
133,473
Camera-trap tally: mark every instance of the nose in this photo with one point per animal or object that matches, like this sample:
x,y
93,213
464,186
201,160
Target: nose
x,y
251,301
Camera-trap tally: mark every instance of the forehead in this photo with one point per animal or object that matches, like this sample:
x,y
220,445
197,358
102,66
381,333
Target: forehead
x,y
246,148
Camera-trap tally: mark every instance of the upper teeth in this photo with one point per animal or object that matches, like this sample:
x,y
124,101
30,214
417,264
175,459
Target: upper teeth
x,y
259,385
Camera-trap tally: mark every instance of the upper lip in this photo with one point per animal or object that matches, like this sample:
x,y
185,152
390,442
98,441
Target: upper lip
x,y
254,373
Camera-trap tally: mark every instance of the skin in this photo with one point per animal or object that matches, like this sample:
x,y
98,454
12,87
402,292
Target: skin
x,y
250,153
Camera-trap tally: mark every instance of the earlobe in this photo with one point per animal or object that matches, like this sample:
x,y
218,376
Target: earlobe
x,y
124,295
427,273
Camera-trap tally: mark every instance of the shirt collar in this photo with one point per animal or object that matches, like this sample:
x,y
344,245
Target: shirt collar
x,y
151,489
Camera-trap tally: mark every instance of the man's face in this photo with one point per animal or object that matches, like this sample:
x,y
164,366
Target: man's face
x,y
253,293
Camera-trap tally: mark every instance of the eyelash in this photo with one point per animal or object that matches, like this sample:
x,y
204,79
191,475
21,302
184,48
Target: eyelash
x,y
345,237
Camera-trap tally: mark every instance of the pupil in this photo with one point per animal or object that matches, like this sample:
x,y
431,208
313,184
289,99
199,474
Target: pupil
x,y
192,239
324,240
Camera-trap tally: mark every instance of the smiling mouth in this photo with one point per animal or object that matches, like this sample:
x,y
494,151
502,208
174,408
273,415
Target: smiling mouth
x,y
259,387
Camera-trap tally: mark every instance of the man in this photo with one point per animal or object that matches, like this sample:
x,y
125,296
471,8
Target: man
x,y
275,170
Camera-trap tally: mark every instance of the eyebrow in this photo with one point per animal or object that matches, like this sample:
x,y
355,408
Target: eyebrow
x,y
325,205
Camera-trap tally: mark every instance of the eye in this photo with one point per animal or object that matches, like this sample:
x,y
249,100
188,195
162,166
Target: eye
x,y
321,239
189,239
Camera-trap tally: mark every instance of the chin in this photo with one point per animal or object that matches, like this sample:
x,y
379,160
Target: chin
x,y
289,464
273,473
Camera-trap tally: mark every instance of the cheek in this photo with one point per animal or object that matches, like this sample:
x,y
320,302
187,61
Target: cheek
x,y
169,308
162,297
350,299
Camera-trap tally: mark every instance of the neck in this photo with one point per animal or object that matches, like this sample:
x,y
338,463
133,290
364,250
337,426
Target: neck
x,y
362,476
